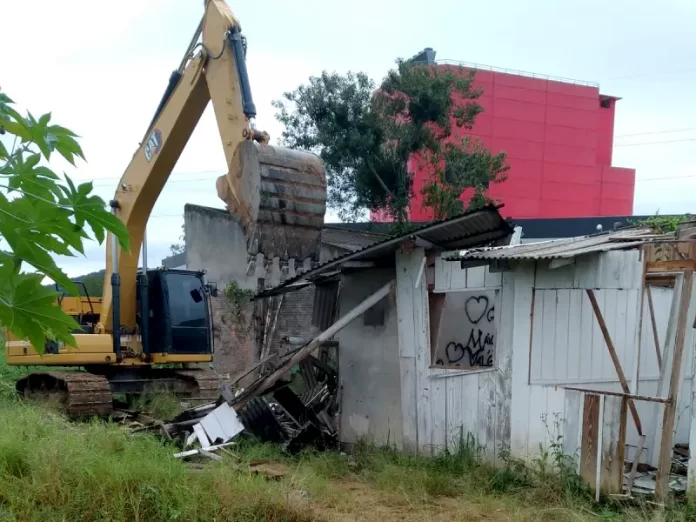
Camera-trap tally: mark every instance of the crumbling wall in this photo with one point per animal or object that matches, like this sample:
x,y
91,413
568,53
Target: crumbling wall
x,y
216,242
233,342
294,320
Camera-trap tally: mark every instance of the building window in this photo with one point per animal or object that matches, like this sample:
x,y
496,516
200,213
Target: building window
x,y
463,329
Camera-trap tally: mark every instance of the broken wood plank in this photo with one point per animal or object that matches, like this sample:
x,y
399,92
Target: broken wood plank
x,y
614,358
613,444
598,458
190,453
210,455
656,336
634,465
589,441
201,435
667,440
680,265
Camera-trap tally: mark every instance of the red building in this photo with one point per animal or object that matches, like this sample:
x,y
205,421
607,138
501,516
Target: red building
x,y
558,136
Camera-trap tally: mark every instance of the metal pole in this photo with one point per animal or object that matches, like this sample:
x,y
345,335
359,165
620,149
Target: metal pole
x,y
115,291
145,251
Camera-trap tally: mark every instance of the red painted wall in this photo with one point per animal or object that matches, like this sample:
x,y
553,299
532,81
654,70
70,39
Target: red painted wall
x,y
558,139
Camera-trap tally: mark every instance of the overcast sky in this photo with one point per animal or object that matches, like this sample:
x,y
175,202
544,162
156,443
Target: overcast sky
x,y
101,69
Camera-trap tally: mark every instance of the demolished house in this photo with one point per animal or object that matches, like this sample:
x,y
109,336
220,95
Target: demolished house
x,y
429,340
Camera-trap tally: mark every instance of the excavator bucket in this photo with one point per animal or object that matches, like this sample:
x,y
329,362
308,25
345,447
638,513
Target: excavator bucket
x,y
279,195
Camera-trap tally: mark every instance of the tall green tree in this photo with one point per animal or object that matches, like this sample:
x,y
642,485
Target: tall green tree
x,y
367,136
42,216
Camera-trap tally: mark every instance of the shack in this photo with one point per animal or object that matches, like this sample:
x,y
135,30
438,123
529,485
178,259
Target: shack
x,y
583,346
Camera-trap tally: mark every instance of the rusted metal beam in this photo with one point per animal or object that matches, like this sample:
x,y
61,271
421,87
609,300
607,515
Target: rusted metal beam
x,y
631,396
614,358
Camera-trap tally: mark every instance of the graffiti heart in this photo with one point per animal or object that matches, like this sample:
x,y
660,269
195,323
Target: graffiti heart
x,y
475,308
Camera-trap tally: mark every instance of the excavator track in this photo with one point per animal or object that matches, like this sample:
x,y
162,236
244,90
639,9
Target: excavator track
x,y
77,394
205,385
80,394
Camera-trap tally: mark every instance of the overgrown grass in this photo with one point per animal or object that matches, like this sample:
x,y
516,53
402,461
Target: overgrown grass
x,y
52,469
161,405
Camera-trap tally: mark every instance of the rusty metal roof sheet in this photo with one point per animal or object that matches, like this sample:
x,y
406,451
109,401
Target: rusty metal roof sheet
x,y
558,248
473,228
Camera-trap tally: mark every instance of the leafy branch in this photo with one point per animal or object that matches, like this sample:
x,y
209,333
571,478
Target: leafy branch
x,y
662,223
42,216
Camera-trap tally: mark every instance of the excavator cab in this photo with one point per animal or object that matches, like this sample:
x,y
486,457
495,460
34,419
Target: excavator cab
x,y
179,312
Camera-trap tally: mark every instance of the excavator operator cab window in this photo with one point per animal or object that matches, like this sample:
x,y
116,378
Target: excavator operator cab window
x,y
179,315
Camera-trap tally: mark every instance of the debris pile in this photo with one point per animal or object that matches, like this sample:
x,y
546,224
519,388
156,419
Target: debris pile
x,y
644,482
298,408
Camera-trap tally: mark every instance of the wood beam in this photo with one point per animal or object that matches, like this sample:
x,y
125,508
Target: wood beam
x,y
666,449
680,265
614,358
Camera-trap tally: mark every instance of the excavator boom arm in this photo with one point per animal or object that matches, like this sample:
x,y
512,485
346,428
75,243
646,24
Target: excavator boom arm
x,y
217,72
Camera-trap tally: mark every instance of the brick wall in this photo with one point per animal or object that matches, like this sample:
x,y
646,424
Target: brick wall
x,y
294,318
233,338
235,348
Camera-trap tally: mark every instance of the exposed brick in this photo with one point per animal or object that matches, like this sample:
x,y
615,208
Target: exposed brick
x,y
232,337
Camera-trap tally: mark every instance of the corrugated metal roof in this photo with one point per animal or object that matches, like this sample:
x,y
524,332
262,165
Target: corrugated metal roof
x,y
473,228
557,249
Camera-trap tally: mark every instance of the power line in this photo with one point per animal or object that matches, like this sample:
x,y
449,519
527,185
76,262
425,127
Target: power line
x,y
667,177
653,142
644,75
189,180
175,174
654,132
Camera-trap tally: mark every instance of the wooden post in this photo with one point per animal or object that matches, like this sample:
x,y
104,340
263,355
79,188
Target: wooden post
x,y
602,448
614,358
667,360
666,450
656,337
590,439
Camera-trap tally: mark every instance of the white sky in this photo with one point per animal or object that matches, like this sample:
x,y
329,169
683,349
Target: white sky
x,y
101,69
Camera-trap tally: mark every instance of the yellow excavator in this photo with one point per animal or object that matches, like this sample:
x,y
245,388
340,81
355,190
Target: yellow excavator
x,y
154,325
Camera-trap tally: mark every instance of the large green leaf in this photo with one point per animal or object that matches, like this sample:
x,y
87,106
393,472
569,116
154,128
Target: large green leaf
x,y
41,217
28,310
91,209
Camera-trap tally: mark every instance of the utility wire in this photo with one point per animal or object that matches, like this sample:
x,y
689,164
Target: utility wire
x,y
688,176
645,75
175,174
653,142
654,132
188,180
